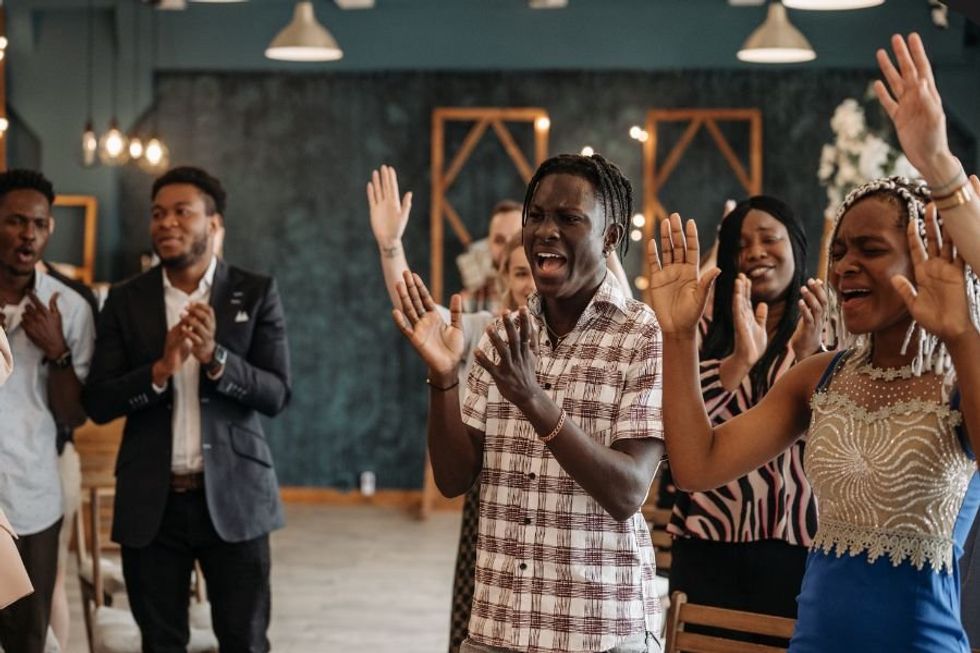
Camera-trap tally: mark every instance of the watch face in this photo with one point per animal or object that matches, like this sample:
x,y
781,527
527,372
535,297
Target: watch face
x,y
220,355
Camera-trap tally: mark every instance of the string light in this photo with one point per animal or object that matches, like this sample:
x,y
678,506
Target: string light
x,y
641,283
542,124
637,133
156,156
587,151
639,220
636,235
135,147
113,149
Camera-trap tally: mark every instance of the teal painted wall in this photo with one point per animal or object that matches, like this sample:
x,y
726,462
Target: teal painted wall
x,y
596,66
47,61
295,151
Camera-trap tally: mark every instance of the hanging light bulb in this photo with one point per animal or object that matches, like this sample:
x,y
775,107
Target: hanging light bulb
x,y
135,142
304,39
135,148
90,142
113,146
90,145
776,41
156,156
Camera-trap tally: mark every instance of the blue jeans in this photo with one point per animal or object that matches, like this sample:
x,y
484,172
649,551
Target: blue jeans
x,y
636,644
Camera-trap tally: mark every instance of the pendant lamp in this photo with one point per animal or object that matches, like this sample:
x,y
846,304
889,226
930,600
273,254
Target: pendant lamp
x,y
113,145
832,5
304,39
135,142
776,41
90,142
156,154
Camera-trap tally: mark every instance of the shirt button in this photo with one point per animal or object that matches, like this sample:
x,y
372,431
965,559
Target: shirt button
x,y
532,476
527,521
523,566
547,386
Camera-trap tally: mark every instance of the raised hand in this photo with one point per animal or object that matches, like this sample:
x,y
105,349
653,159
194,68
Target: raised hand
x,y
389,215
42,324
439,344
912,102
678,291
751,337
515,373
938,300
808,336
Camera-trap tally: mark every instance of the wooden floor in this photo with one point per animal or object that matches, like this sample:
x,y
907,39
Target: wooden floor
x,y
351,578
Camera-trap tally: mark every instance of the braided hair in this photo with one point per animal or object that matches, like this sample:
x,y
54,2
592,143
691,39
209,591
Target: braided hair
x,y
611,186
910,196
719,341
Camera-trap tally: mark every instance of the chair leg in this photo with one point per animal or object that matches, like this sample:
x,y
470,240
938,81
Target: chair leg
x,y
87,603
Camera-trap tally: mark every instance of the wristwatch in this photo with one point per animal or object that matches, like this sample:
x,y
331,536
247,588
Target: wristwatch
x,y
217,360
62,362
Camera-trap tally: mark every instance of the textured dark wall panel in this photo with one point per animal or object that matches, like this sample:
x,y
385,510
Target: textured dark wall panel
x,y
295,151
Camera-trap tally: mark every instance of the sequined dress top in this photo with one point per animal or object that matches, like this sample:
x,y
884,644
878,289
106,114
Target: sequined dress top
x,y
896,489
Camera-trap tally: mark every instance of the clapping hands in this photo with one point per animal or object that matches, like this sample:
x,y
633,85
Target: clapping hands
x,y
808,336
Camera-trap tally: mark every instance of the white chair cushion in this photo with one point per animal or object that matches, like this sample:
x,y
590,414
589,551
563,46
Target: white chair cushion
x,y
115,631
112,575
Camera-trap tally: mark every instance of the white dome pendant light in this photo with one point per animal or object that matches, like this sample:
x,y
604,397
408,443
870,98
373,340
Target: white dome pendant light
x,y
776,41
304,39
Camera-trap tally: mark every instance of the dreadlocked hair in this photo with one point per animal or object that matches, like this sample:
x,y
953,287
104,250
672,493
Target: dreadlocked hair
x,y
910,197
719,341
608,181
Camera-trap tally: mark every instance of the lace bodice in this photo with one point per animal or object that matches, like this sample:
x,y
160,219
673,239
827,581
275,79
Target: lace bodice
x,y
887,466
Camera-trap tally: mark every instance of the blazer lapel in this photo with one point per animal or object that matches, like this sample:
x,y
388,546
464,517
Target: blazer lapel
x,y
152,312
220,299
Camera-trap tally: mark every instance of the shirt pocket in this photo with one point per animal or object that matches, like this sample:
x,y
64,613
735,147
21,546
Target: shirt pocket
x,y
590,395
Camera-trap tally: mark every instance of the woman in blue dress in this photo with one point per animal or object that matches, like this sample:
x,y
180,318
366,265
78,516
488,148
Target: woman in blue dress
x,y
891,422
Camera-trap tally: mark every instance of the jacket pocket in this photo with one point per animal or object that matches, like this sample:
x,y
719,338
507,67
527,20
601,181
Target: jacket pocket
x,y
251,445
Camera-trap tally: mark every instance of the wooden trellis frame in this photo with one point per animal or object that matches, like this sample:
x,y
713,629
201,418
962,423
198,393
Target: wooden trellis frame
x,y
443,177
655,177
484,120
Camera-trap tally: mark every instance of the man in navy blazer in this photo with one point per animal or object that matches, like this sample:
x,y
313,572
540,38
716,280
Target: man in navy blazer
x,y
191,352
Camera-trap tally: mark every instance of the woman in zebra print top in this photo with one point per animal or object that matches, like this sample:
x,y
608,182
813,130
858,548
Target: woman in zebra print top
x,y
743,545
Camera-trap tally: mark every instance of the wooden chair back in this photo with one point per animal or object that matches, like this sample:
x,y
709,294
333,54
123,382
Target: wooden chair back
x,y
682,614
89,542
97,446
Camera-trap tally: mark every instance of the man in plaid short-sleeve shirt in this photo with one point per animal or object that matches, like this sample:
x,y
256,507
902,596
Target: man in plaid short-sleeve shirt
x,y
562,427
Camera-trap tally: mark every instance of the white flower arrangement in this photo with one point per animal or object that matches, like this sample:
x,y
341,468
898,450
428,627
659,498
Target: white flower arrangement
x,y
858,155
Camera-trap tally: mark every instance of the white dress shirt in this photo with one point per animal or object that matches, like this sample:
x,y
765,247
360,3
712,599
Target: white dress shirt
x,y
186,457
6,359
30,487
